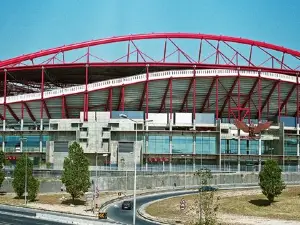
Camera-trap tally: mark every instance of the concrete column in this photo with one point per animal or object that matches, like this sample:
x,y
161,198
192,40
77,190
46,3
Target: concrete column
x,y
219,144
194,151
3,137
146,143
170,148
259,154
41,138
21,142
298,150
239,151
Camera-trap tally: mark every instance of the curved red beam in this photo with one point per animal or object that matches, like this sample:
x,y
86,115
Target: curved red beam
x,y
144,37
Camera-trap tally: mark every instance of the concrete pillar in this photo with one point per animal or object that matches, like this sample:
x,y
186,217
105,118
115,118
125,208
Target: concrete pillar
x,y
298,151
194,151
3,137
146,143
170,147
259,154
22,127
41,138
239,151
219,144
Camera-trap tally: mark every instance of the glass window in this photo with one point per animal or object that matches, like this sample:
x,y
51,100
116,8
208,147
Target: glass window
x,y
182,145
206,145
290,147
158,144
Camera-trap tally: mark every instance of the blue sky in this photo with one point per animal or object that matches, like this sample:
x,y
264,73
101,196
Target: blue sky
x,y
28,26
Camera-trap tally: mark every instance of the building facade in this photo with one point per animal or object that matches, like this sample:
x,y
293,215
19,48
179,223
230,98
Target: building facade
x,y
164,141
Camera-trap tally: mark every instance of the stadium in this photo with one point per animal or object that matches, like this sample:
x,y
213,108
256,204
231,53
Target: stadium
x,y
172,98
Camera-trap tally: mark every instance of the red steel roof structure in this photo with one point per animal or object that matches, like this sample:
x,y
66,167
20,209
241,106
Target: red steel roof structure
x,y
157,72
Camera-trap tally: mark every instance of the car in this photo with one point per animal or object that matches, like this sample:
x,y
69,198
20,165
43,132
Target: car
x,y
127,205
207,188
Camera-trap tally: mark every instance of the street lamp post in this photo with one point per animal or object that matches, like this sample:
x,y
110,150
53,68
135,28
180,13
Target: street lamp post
x,y
105,155
135,162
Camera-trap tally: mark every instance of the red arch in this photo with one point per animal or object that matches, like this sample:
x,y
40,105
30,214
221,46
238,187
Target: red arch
x,y
64,48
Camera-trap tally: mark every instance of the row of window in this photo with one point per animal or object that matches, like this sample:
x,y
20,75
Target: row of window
x,y
181,145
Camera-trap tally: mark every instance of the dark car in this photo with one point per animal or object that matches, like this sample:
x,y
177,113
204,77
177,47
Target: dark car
x,y
207,188
127,205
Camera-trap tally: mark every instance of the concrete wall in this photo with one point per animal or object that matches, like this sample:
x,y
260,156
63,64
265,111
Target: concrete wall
x,y
160,181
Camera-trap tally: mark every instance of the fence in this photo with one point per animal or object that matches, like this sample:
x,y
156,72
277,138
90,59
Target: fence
x,y
102,171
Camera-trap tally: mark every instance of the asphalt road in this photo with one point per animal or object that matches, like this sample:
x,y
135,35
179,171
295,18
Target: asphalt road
x,y
116,213
14,219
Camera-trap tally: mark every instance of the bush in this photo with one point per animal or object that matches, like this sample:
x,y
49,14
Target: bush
x,y
33,188
76,176
19,178
270,180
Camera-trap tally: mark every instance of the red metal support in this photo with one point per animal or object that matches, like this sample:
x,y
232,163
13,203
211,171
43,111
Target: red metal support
x,y
250,56
109,101
259,96
86,95
266,102
121,99
186,96
165,51
29,112
217,97
217,61
200,51
128,51
282,60
145,91
208,94
251,92
228,96
12,113
4,94
285,101
65,111
163,101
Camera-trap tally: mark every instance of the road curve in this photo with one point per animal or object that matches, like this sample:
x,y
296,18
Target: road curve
x,y
115,212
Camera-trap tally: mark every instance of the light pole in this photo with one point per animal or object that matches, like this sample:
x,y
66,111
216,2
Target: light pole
x,y
105,155
25,139
135,162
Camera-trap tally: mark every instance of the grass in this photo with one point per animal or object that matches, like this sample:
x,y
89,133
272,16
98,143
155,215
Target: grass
x,y
286,206
52,199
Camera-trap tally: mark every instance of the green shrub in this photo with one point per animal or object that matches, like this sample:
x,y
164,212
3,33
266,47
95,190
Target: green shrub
x,y
270,180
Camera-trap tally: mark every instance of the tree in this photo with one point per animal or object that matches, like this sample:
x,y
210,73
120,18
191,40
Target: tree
x,y
19,179
206,203
76,176
33,188
270,180
2,173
